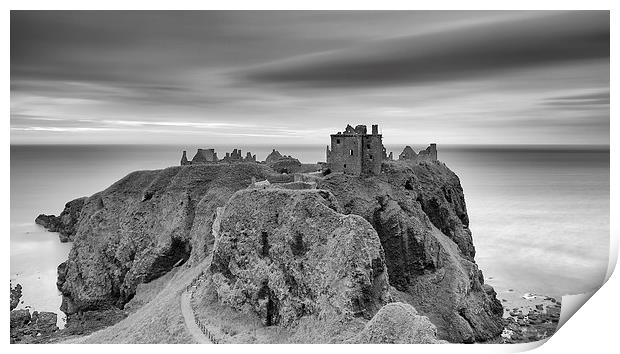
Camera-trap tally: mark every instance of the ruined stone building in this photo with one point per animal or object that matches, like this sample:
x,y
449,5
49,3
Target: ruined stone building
x,y
235,156
273,156
353,151
283,163
204,156
429,154
356,152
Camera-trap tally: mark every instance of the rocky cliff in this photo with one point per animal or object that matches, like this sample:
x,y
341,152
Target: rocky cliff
x,y
419,213
65,223
289,253
284,253
140,227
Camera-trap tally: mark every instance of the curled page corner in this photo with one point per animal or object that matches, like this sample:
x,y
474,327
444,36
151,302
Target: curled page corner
x,y
613,256
572,303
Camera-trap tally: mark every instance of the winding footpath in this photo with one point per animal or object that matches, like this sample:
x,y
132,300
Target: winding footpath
x,y
190,319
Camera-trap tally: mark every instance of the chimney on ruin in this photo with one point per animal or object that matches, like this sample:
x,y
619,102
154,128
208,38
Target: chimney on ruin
x,y
433,152
184,159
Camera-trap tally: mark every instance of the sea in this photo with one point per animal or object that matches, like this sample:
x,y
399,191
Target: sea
x,y
539,214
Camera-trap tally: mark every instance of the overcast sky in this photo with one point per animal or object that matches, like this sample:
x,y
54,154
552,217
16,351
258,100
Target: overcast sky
x,y
295,77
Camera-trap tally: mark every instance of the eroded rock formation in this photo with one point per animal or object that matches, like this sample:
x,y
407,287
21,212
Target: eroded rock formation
x,y
419,213
289,253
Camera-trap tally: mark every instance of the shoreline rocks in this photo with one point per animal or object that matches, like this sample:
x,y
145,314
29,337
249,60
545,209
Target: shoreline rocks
x,y
41,326
526,324
16,294
26,328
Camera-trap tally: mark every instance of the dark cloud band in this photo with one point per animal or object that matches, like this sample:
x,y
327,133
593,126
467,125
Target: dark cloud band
x,y
449,55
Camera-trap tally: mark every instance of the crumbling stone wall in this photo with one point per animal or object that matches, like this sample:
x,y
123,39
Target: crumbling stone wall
x,y
210,156
429,154
204,156
273,156
372,154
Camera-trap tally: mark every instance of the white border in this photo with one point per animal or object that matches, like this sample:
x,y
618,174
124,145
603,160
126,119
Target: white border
x,y
593,328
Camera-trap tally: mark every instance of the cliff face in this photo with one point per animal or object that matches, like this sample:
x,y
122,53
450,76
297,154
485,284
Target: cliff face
x,y
65,223
142,226
286,254
420,216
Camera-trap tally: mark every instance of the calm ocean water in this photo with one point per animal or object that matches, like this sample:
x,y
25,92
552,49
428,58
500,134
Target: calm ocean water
x,y
539,216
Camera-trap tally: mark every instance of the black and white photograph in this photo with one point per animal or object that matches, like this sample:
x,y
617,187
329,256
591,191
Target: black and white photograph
x,y
306,176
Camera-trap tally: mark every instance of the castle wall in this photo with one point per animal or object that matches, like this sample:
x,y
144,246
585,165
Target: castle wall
x,y
345,155
372,154
205,155
428,154
408,154
356,152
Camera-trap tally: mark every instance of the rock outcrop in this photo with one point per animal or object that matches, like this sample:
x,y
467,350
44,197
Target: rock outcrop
x,y
65,223
398,323
285,254
141,227
419,213
20,318
16,294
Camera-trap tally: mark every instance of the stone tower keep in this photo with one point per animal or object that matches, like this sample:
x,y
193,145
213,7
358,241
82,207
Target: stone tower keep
x,y
356,152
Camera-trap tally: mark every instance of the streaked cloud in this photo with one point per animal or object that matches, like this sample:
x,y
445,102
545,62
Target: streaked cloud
x,y
449,55
292,77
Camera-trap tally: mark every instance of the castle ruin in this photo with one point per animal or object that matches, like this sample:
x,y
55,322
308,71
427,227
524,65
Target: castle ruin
x,y
429,154
355,152
204,156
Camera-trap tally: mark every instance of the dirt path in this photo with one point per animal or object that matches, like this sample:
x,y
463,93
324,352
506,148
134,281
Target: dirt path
x,y
190,322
